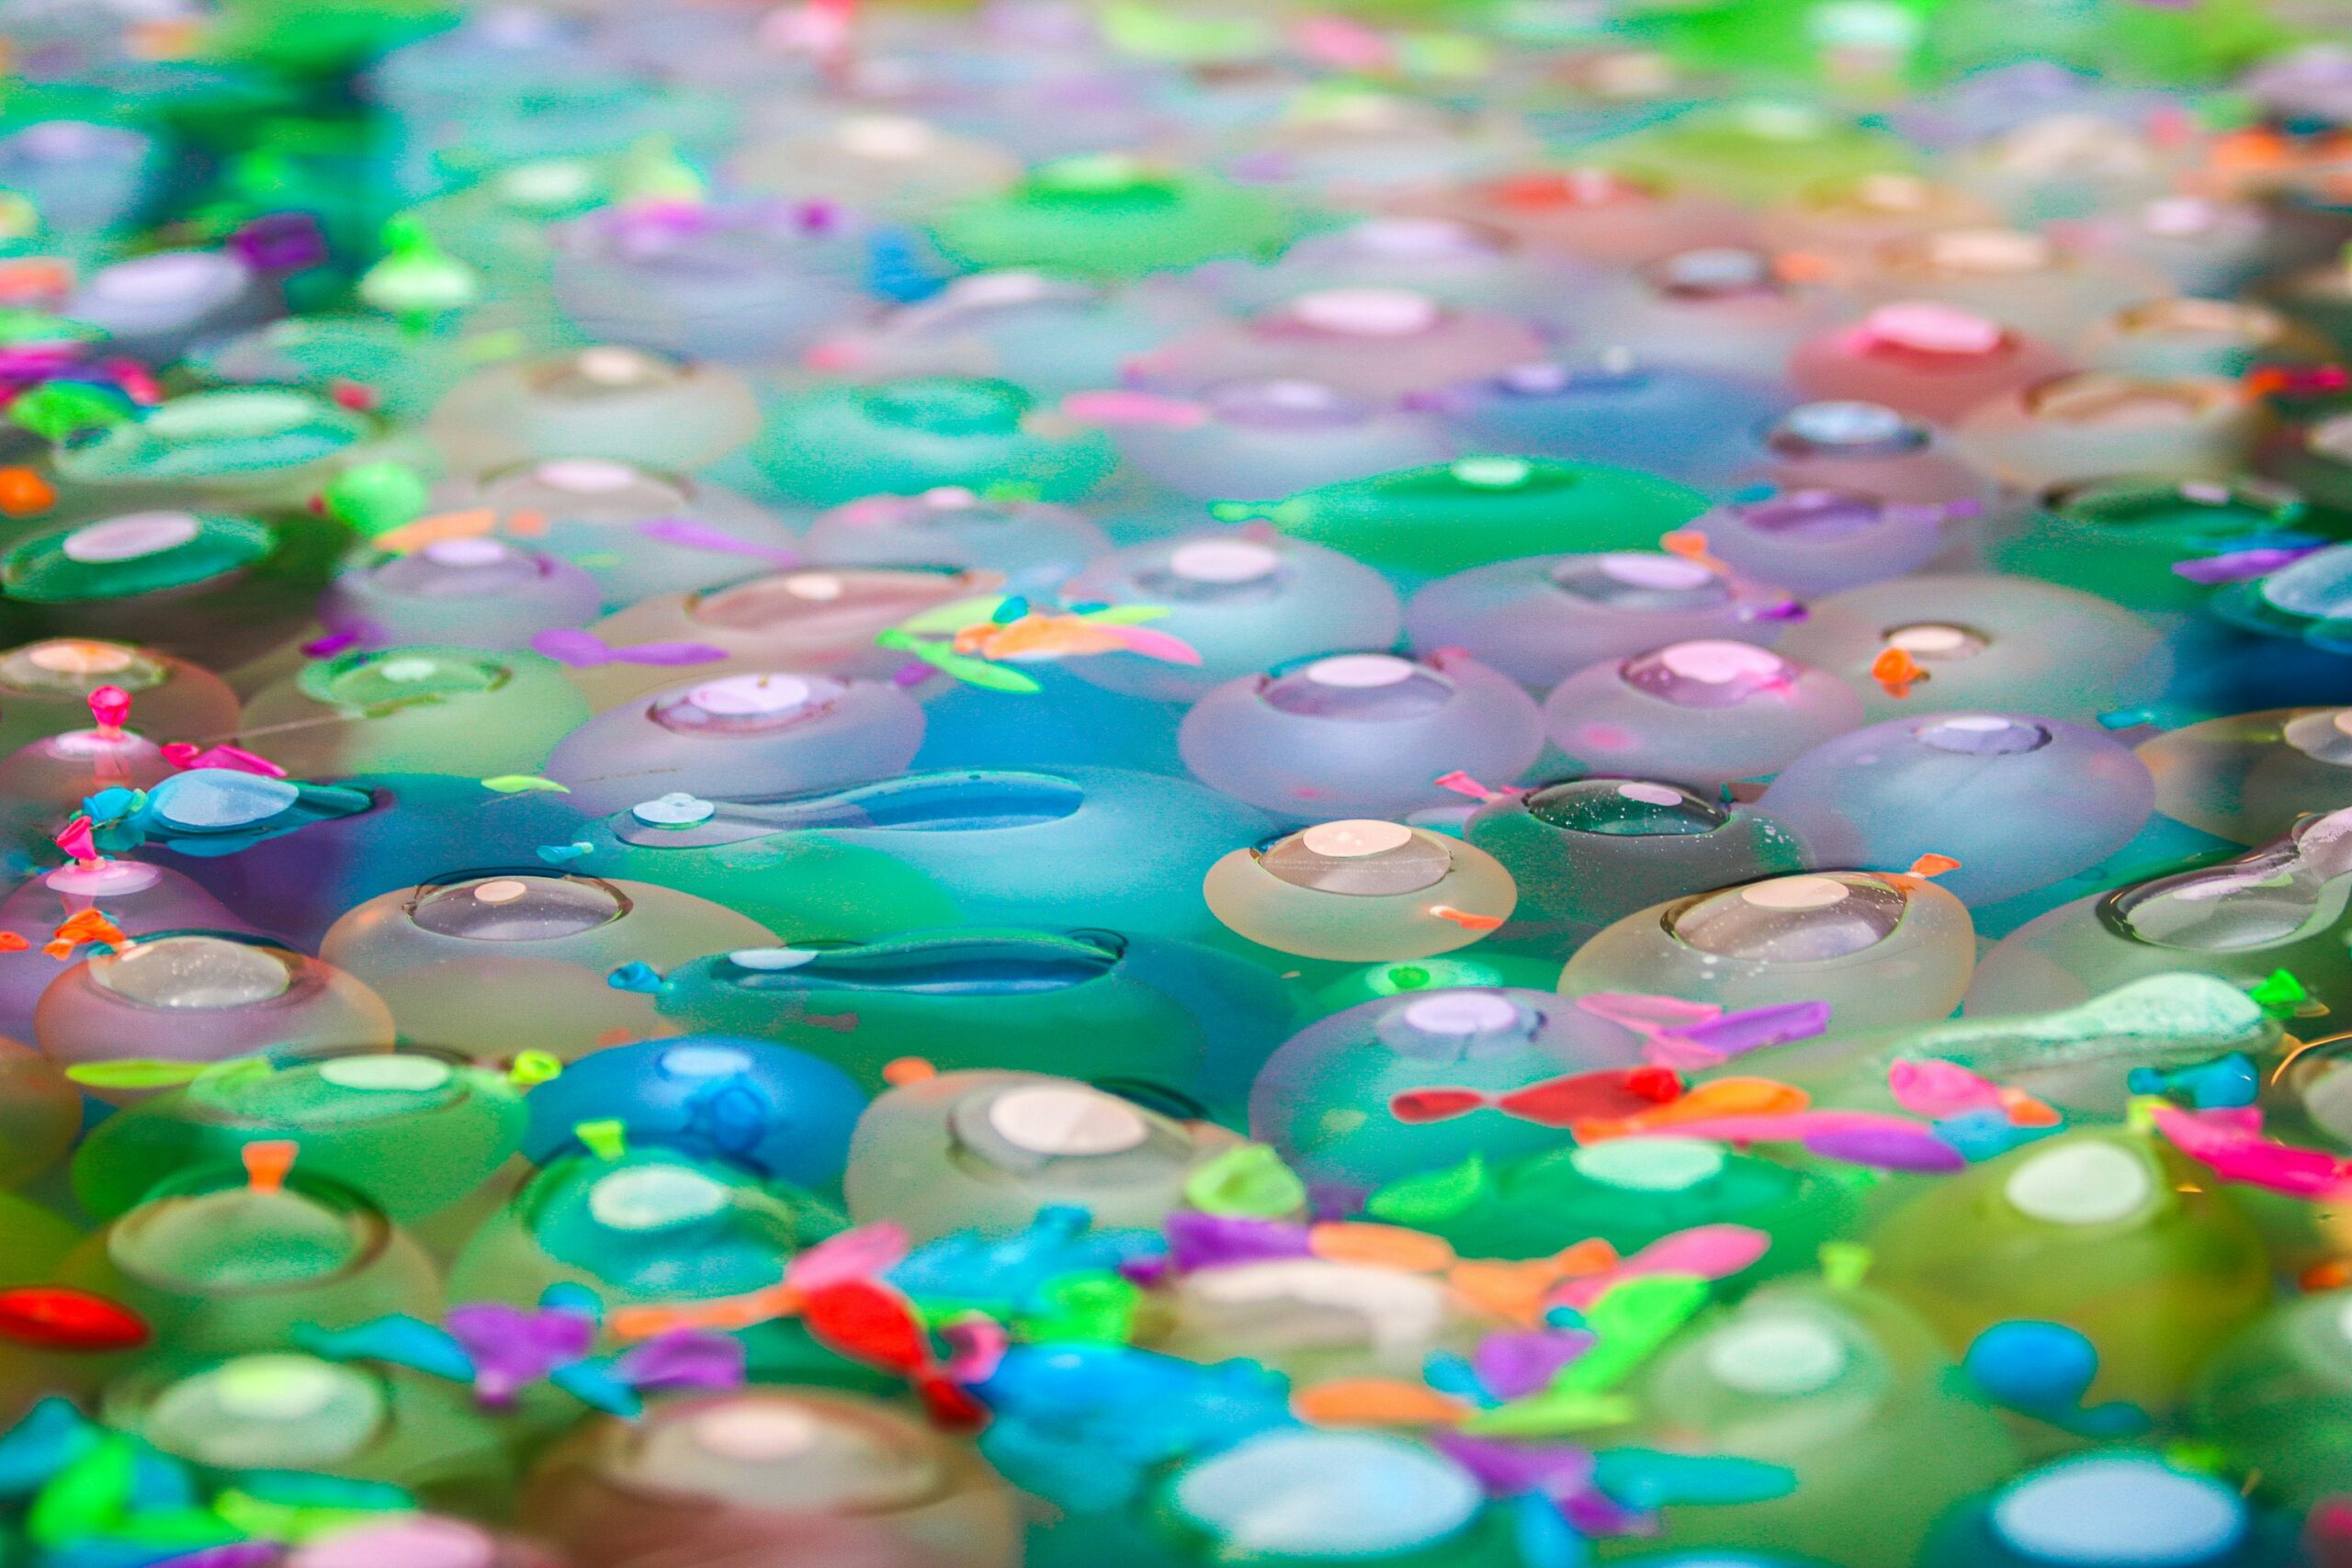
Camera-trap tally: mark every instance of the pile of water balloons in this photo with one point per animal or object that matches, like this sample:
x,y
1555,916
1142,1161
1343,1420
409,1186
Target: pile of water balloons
x,y
1095,784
